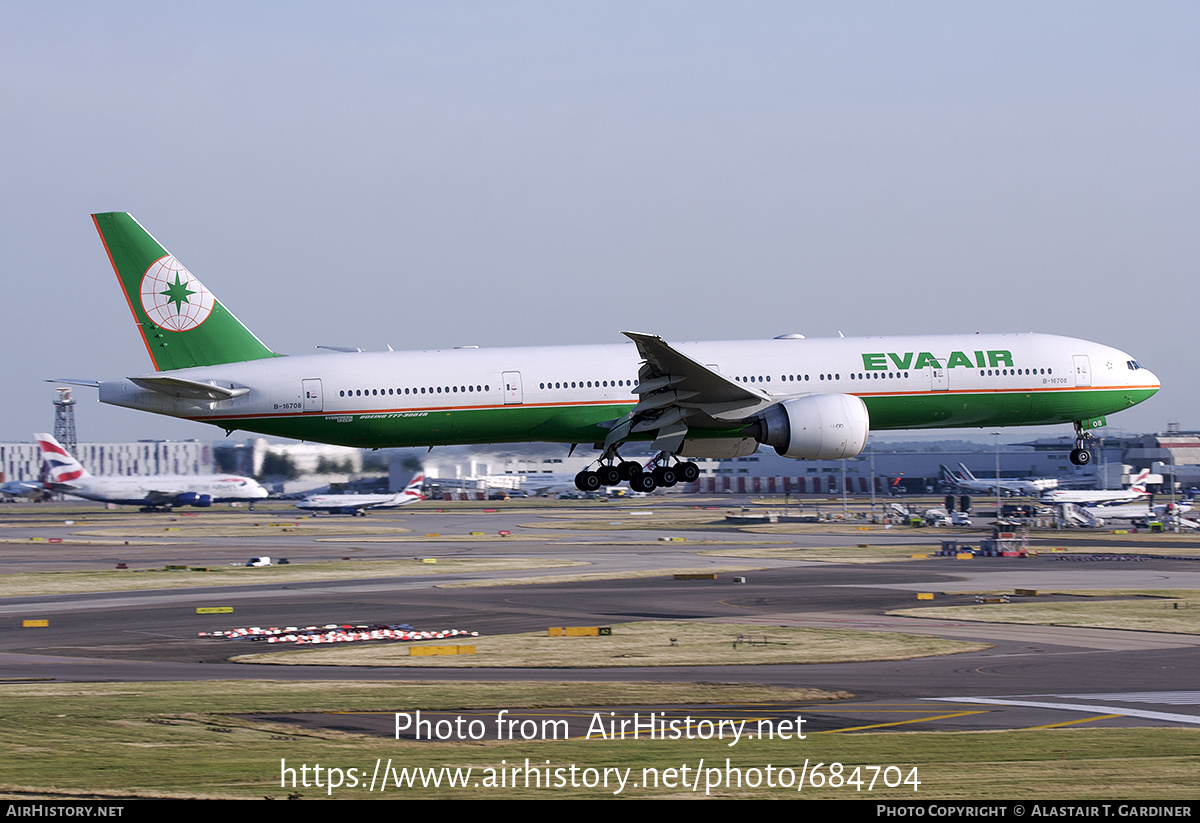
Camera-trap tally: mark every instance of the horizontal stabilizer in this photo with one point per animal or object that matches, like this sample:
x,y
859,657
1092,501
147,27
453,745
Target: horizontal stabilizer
x,y
65,488
71,381
191,389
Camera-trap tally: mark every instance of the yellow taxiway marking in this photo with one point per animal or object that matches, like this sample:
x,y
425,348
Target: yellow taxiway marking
x,y
1073,722
902,722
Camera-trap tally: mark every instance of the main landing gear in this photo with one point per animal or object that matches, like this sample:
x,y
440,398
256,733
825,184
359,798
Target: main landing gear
x,y
1080,456
611,473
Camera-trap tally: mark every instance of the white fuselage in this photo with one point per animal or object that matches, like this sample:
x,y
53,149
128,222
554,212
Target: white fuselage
x,y
340,502
1024,487
157,490
1094,498
563,393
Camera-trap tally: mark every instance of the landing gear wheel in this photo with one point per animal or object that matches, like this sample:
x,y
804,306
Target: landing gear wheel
x,y
587,481
629,469
1080,456
688,472
643,482
609,475
665,476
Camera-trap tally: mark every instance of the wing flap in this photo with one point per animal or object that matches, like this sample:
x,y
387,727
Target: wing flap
x,y
686,374
673,387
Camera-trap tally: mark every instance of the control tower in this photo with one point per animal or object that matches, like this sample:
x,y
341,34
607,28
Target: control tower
x,y
64,419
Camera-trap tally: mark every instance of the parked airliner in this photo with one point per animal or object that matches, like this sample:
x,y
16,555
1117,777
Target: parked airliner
x,y
1136,491
965,481
356,503
23,490
152,492
806,398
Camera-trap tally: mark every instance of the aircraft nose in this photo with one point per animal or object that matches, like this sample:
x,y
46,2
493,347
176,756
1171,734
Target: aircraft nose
x,y
1150,379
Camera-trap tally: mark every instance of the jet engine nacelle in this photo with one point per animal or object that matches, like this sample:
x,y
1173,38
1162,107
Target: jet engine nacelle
x,y
193,499
815,427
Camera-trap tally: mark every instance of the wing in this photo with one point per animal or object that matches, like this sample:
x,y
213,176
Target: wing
x,y
676,393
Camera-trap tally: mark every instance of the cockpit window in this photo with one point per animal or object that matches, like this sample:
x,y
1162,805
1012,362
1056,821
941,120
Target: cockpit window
x,y
1133,365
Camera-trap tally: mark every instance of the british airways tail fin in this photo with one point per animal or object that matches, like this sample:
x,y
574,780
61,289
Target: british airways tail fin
x,y
1137,483
181,322
61,467
413,489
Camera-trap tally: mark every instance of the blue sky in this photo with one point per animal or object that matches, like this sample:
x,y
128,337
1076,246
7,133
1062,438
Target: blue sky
x,y
437,174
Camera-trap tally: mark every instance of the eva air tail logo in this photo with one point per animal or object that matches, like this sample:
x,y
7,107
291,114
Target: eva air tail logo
x,y
172,298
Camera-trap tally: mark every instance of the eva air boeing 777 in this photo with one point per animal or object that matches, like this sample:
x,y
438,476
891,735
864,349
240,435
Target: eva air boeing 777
x,y
813,399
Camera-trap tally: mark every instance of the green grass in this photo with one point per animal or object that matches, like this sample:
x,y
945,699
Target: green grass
x,y
1160,611
70,582
198,740
207,530
650,643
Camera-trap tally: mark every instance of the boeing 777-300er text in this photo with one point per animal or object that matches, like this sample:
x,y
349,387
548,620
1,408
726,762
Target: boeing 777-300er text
x,y
355,503
805,398
151,492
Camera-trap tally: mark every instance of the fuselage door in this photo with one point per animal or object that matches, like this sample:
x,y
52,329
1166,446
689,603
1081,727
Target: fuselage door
x,y
938,381
512,388
1083,370
313,400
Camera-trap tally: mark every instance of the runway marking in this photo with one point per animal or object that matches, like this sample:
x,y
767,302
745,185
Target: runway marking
x,y
1078,707
1072,722
155,634
901,722
1173,698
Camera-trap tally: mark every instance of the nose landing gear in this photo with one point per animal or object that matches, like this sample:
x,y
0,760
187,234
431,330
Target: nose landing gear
x,y
1080,456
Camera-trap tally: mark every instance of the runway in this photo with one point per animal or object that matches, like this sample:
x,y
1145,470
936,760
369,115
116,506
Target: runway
x,y
1031,676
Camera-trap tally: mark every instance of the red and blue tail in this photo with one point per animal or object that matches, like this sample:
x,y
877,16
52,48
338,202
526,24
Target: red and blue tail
x,y
61,467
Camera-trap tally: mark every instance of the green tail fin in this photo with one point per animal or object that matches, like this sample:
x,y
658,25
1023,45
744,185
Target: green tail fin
x,y
181,322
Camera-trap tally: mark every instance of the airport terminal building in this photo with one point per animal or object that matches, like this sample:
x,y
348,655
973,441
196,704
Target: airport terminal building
x,y
917,470
23,461
912,466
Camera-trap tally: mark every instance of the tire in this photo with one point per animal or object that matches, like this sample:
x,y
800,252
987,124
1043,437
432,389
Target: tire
x,y
629,469
590,481
643,482
665,476
1081,457
609,475
688,472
